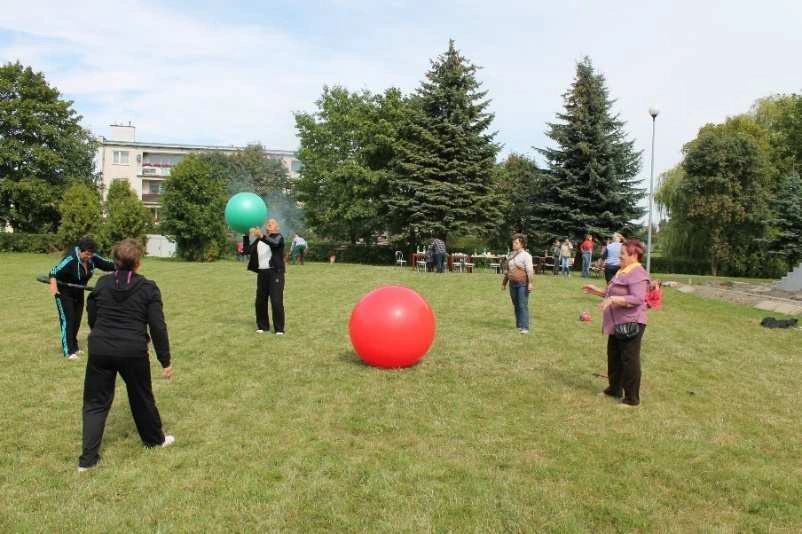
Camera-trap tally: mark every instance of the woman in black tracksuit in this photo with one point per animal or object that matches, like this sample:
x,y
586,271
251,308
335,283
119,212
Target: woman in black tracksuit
x,y
125,312
75,268
267,261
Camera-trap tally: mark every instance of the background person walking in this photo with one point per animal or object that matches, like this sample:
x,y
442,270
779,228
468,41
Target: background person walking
x,y
439,249
566,255
611,261
297,249
587,255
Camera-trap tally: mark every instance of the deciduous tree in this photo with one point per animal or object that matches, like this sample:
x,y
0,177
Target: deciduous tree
x,y
42,148
193,204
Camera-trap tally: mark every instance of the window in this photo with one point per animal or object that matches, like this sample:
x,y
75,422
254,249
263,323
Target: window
x,y
155,188
121,157
296,166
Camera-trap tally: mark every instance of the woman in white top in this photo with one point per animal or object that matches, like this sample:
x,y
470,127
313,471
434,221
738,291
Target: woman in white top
x,y
267,261
566,253
520,275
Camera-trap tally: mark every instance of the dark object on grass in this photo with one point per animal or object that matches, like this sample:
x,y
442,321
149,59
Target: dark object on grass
x,y
46,280
771,322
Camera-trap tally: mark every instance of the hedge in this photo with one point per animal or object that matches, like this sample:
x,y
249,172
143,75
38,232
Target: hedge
x,y
20,242
679,265
348,253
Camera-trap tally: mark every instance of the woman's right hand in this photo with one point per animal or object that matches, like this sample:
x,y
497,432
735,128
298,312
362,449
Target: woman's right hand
x,y
591,289
167,373
53,287
256,232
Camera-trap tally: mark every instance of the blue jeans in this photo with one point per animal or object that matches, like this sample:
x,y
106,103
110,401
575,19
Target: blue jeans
x,y
519,293
586,256
439,262
564,265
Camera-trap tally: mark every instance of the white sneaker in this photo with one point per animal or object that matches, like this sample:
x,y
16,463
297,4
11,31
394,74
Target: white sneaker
x,y
72,356
279,333
168,440
260,331
524,331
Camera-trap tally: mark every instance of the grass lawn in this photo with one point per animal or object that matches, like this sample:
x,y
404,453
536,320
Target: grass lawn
x,y
493,431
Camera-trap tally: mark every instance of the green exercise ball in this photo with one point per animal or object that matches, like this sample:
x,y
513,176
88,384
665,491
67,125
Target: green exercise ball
x,y
244,211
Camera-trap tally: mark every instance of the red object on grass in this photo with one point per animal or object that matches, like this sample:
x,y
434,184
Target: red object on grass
x,y
392,327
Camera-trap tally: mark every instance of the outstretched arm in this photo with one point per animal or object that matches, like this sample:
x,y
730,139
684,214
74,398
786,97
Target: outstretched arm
x,y
591,289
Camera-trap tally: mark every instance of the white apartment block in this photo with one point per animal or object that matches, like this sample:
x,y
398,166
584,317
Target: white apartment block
x,y
147,165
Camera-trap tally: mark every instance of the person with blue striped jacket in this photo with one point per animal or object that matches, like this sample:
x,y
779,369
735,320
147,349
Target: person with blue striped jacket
x,y
76,268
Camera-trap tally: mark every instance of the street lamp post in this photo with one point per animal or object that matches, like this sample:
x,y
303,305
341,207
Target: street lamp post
x,y
653,111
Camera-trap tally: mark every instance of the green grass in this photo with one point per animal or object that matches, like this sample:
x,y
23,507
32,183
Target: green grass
x,y
492,431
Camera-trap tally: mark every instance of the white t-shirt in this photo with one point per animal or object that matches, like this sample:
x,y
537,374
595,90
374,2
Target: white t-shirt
x,y
264,254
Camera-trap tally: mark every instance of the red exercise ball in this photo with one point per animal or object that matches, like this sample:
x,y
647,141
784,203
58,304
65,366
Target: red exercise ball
x,y
391,327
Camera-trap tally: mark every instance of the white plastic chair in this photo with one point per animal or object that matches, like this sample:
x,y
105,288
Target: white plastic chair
x,y
399,258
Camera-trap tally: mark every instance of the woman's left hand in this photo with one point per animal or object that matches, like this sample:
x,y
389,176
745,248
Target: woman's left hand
x,y
609,301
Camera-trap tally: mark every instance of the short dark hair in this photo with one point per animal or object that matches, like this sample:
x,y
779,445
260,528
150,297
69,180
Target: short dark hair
x,y
127,254
521,238
634,247
86,243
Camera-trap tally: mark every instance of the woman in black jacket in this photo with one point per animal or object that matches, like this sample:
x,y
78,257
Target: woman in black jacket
x,y
125,312
267,261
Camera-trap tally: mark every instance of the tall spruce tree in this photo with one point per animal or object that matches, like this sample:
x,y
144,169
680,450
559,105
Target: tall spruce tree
x,y
445,156
590,186
787,221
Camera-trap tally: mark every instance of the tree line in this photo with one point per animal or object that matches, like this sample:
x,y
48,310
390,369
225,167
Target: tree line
x,y
410,167
423,165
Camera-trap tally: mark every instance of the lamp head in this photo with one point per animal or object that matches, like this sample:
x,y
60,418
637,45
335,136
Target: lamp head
x,y
653,111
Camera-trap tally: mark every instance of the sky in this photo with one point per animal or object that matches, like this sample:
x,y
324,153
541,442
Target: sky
x,y
233,73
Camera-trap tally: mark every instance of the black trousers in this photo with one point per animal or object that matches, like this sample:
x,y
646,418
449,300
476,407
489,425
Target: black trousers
x,y
609,272
270,286
101,374
623,367
70,309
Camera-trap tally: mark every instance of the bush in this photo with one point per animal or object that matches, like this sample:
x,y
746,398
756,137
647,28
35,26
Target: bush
x,y
467,244
679,265
193,204
127,216
19,242
757,264
80,215
348,253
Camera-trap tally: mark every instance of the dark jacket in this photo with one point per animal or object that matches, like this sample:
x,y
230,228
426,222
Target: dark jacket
x,y
276,244
70,270
123,307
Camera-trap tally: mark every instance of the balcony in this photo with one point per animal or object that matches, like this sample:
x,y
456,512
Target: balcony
x,y
151,198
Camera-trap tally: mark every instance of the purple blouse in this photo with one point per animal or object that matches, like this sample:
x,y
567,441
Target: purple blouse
x,y
633,287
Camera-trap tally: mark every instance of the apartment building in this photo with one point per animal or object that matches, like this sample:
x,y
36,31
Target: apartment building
x,y
147,165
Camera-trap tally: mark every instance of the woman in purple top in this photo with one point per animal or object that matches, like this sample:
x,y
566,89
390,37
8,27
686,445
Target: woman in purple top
x,y
624,302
